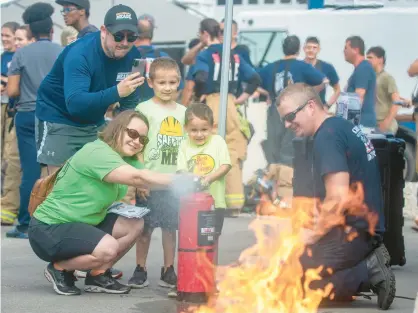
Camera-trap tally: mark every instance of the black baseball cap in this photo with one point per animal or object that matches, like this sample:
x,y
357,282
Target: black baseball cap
x,y
84,4
121,17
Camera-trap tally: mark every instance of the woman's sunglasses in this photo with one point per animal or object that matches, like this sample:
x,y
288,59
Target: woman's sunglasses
x,y
133,134
119,36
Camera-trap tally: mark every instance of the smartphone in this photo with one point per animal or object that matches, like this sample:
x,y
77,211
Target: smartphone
x,y
400,103
139,66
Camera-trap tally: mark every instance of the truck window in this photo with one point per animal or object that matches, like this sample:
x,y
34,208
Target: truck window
x,y
265,46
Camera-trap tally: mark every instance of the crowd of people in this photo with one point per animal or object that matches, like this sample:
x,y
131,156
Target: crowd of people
x,y
78,113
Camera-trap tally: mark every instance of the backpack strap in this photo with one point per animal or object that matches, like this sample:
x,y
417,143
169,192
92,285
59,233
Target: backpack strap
x,y
286,75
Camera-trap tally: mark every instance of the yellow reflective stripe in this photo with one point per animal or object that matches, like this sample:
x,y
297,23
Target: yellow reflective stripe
x,y
8,216
235,196
234,200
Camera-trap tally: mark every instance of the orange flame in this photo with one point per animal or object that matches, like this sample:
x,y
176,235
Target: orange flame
x,y
269,276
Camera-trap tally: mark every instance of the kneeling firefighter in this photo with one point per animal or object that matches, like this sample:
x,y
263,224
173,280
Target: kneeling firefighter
x,y
207,77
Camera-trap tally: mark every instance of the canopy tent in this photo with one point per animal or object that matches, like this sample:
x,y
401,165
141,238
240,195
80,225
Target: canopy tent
x,y
173,23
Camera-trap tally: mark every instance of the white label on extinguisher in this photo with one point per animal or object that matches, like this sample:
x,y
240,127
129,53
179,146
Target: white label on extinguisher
x,y
207,230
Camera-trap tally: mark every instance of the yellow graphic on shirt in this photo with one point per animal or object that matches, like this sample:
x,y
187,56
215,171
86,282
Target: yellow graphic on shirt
x,y
201,164
168,141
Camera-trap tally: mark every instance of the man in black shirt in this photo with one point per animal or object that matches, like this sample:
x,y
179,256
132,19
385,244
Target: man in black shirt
x,y
342,155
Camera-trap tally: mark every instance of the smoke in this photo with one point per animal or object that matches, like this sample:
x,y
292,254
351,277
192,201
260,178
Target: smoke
x,y
185,184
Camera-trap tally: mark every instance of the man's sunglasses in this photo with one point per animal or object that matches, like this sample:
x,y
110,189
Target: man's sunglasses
x,y
65,11
290,117
133,134
119,36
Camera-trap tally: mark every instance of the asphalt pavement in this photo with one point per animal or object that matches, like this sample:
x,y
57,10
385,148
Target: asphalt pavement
x,y
25,289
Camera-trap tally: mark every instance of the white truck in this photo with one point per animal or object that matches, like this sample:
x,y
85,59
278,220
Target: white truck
x,y
395,29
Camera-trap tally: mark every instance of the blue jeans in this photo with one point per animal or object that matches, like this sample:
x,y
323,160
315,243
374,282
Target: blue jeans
x,y
345,258
31,169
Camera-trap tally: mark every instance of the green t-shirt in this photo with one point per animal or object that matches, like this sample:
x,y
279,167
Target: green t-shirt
x,y
79,193
386,86
165,132
205,159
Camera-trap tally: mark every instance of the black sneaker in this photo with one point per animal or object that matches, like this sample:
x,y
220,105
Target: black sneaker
x,y
168,278
62,281
104,283
385,253
381,278
116,274
139,278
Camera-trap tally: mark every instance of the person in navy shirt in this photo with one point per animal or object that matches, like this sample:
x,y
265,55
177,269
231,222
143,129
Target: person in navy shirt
x,y
8,41
278,147
76,14
10,177
207,77
90,74
342,157
242,50
363,79
29,66
273,75
188,94
311,49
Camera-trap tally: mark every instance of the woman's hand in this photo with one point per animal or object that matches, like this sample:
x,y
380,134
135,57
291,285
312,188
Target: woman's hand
x,y
143,193
205,181
180,184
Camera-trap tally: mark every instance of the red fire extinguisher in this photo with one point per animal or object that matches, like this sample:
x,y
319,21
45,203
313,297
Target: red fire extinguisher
x,y
196,244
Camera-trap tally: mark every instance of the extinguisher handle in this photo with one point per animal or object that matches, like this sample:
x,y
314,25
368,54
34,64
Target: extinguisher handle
x,y
199,184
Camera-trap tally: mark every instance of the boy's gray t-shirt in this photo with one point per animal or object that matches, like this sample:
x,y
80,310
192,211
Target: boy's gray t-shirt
x,y
32,62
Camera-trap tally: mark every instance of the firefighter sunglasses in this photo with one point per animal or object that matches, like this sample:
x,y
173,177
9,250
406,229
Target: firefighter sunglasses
x,y
133,134
290,117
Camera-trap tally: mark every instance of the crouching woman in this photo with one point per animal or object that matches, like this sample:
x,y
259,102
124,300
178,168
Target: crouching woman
x,y
72,229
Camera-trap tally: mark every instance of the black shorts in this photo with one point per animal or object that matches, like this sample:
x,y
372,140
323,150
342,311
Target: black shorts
x,y
58,242
164,211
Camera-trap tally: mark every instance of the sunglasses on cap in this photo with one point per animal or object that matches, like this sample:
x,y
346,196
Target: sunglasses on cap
x,y
290,117
119,36
133,134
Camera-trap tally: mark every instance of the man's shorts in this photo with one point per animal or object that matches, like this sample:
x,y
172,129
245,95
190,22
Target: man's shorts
x,y
58,242
219,221
164,211
56,143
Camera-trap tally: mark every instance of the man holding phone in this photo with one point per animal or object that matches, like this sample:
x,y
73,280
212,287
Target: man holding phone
x,y
89,75
148,53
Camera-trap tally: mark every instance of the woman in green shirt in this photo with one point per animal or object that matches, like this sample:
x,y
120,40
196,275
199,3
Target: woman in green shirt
x,y
72,230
